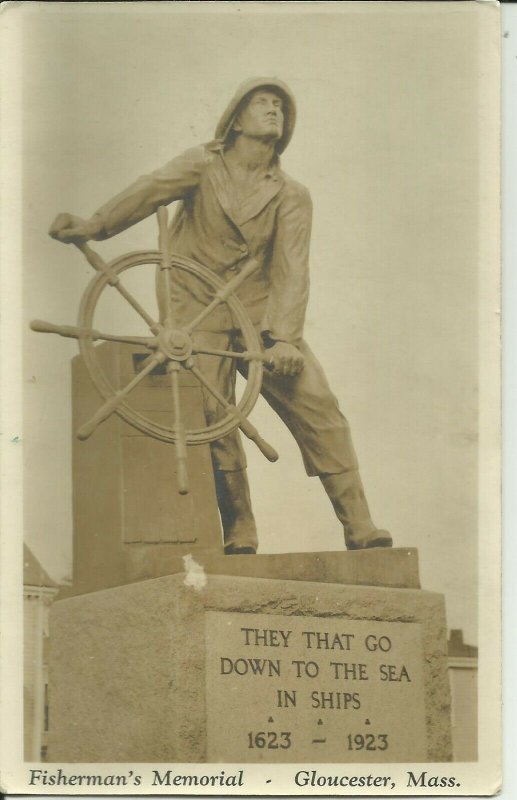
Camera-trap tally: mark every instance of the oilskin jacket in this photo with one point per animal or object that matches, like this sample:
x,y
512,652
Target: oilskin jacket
x,y
272,226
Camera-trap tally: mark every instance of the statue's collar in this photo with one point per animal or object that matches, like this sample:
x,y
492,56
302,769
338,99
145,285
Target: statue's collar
x,y
219,146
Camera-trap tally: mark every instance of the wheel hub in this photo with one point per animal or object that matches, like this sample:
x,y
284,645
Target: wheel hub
x,y
175,344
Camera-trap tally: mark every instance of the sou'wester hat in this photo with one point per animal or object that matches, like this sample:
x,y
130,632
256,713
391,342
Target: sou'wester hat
x,y
226,122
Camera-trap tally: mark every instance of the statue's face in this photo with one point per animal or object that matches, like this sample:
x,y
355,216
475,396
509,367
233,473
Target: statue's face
x,y
262,117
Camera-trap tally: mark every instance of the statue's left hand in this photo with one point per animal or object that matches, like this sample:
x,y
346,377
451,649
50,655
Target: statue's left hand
x,y
285,359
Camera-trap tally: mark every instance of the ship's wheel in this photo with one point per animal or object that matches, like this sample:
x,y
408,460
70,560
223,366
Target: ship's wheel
x,y
170,345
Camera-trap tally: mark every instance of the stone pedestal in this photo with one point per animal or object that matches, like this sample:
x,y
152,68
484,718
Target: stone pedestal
x,y
130,522
396,567
166,650
212,668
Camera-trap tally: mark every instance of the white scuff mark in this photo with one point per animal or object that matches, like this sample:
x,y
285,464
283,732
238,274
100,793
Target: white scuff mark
x,y
194,573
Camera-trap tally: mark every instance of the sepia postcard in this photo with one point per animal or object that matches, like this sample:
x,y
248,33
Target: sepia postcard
x,y
251,427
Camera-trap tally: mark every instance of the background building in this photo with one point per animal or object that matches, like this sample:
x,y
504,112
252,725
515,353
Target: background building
x,y
463,676
39,590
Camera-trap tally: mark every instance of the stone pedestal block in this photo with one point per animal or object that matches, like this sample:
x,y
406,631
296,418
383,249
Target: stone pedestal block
x,y
129,519
393,567
234,669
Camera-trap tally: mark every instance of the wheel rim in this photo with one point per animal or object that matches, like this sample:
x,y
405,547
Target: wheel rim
x,y
153,258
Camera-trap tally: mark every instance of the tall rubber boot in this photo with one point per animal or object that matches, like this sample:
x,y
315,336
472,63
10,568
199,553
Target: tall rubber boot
x,y
233,498
346,493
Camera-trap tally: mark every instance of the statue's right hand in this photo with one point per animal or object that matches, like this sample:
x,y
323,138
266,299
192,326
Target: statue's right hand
x,y
70,229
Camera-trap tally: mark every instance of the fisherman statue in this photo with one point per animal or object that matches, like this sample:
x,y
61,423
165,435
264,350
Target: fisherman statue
x,y
235,204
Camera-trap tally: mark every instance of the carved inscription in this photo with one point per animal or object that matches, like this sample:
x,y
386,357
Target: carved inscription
x,y
313,689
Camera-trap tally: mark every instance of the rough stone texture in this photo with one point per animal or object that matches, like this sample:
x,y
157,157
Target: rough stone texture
x,y
128,664
397,567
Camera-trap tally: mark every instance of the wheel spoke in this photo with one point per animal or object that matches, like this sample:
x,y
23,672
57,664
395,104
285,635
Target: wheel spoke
x,y
222,294
111,405
179,429
163,344
202,315
245,425
247,355
73,332
165,265
100,265
153,325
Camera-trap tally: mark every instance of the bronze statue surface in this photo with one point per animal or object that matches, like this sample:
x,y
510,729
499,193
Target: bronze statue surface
x,y
248,223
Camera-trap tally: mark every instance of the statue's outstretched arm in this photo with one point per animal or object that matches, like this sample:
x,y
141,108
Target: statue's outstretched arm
x,y
139,200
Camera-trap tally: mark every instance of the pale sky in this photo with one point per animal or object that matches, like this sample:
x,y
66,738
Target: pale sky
x,y
387,142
